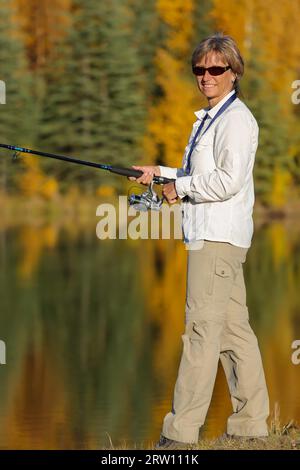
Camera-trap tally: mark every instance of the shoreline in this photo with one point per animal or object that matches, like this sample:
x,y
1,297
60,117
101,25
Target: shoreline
x,y
17,209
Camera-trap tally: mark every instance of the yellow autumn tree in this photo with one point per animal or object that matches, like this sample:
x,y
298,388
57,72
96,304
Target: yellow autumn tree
x,y
235,17
171,116
42,24
265,33
34,240
34,182
259,25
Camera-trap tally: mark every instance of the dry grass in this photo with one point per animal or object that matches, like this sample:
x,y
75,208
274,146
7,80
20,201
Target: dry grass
x,y
281,437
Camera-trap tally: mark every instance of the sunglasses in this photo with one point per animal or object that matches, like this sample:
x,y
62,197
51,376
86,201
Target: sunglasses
x,y
214,71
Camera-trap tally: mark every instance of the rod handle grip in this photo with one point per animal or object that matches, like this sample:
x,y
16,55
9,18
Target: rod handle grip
x,y
138,173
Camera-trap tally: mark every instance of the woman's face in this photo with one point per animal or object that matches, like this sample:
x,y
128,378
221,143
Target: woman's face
x,y
214,88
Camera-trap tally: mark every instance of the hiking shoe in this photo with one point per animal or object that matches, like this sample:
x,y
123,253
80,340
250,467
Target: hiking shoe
x,y
166,443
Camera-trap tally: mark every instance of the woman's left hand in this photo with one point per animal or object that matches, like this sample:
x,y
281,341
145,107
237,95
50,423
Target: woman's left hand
x,y
170,193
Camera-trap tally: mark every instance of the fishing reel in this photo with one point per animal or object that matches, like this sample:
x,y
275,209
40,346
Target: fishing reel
x,y
147,200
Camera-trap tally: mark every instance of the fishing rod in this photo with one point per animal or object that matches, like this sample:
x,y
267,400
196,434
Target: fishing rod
x,y
148,200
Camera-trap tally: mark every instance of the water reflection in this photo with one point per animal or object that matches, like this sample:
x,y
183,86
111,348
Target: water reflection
x,y
92,331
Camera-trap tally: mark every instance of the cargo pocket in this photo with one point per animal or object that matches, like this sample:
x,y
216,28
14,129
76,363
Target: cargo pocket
x,y
191,362
222,271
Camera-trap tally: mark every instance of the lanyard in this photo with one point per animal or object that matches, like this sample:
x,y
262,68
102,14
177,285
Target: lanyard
x,y
200,127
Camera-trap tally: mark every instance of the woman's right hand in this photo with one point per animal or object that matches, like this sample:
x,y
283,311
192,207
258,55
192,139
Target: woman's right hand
x,y
148,172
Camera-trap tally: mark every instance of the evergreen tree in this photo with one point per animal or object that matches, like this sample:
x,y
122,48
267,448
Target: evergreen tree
x,y
17,117
94,107
203,24
147,36
273,134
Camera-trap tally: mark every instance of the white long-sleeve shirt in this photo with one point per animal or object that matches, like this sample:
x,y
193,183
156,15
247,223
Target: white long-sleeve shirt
x,y
220,185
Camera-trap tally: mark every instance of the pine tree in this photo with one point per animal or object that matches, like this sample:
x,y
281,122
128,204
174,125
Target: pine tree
x,y
17,117
203,24
146,35
94,106
273,136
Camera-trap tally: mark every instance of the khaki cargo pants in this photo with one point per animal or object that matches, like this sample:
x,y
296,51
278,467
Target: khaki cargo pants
x,y
217,327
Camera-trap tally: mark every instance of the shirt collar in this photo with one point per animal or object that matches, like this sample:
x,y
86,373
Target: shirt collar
x,y
213,111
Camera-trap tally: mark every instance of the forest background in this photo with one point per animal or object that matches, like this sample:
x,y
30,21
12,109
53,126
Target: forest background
x,y
111,82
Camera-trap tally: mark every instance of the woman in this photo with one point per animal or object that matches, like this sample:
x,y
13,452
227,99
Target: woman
x,y
215,185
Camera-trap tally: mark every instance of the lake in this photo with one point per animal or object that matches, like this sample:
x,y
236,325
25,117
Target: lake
x,y
92,333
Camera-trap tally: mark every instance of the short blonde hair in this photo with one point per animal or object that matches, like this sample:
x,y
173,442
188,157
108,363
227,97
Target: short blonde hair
x,y
226,47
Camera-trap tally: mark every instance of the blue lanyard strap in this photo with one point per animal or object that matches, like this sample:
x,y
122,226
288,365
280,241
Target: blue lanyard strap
x,y
200,127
